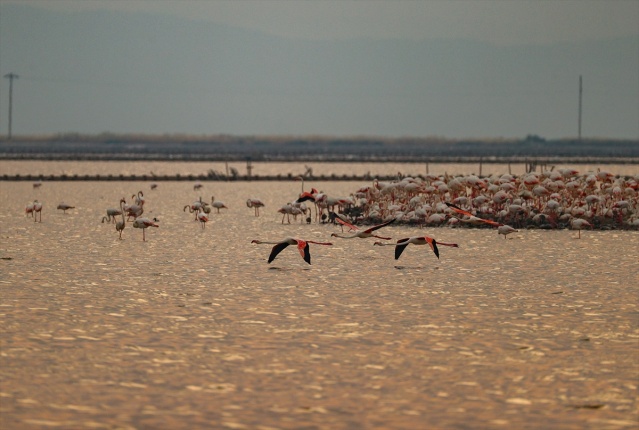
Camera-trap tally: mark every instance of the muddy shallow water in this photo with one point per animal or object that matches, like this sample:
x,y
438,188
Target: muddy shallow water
x,y
193,329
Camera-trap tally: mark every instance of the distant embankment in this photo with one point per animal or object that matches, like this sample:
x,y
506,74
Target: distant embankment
x,y
279,149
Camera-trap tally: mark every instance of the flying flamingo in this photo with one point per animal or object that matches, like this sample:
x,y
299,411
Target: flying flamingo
x,y
64,207
472,218
37,209
416,240
302,247
119,226
361,233
144,223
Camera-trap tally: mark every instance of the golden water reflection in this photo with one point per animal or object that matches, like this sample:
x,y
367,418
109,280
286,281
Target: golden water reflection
x,y
193,329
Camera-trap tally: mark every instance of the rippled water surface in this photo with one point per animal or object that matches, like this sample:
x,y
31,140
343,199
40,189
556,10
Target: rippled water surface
x,y
193,329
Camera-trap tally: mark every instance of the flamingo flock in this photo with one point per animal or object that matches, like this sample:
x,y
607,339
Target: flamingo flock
x,y
555,199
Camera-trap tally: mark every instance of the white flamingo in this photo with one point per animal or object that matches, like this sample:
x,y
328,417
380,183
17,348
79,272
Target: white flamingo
x,y
119,226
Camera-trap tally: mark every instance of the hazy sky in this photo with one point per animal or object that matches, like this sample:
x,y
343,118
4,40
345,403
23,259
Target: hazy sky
x,y
393,68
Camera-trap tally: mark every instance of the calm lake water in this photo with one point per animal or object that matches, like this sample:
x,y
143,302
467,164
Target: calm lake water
x,y
266,169
193,329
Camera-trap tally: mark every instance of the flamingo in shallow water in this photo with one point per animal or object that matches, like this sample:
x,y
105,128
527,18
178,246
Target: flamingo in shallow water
x,y
64,207
144,223
119,226
255,203
202,218
578,224
302,247
37,209
362,234
416,240
505,230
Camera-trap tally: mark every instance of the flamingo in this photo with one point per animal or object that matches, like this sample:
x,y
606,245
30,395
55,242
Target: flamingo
x,y
197,186
28,209
201,216
64,207
119,226
144,223
217,205
472,218
505,230
362,234
112,213
416,240
255,203
578,224
302,247
37,209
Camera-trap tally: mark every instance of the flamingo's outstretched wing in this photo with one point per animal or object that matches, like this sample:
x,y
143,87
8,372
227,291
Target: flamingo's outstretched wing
x,y
463,212
433,246
345,223
304,197
276,250
304,249
384,224
399,248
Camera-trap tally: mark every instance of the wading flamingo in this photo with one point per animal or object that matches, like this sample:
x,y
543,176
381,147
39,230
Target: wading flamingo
x,y
64,207
362,234
505,230
416,240
578,224
302,247
217,205
202,218
144,223
119,226
37,209
255,203
112,213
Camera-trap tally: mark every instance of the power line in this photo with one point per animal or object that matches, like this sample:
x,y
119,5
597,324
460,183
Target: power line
x,y
11,77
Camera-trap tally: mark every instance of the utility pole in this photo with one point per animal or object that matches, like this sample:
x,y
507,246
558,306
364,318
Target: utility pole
x,y
580,97
11,77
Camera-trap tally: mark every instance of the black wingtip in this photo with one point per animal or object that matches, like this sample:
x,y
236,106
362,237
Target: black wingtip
x,y
435,249
307,254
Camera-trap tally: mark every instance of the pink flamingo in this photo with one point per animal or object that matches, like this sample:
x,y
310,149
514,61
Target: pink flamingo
x,y
302,247
144,223
255,203
37,209
362,234
202,218
416,240
473,219
578,224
